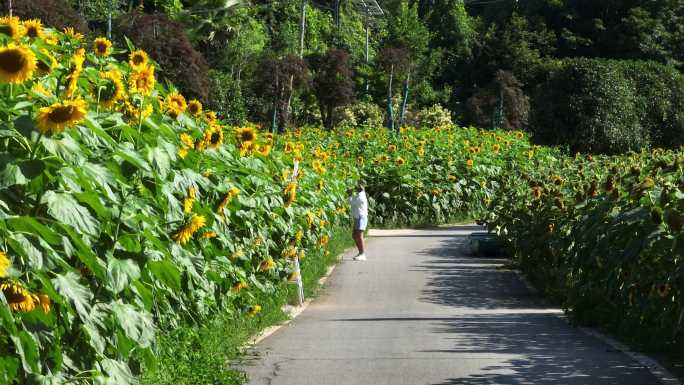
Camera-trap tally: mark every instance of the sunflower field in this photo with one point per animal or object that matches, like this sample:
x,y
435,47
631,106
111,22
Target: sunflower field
x,y
604,235
126,209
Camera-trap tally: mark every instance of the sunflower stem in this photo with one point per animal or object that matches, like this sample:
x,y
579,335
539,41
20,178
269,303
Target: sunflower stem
x,y
35,146
140,112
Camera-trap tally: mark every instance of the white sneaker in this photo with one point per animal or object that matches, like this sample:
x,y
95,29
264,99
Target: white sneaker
x,y
360,257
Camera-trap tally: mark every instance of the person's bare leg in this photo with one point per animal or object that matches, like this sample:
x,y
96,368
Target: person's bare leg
x,y
361,243
356,235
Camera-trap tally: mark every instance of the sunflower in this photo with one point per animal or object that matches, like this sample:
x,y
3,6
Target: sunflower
x,y
18,298
142,80
254,310
536,192
59,116
496,148
299,236
384,158
266,264
232,193
184,234
210,116
72,33
400,161
269,137
112,90
452,178
288,252
44,302
213,136
138,60
246,135
17,63
239,286
133,112
4,264
290,193
209,235
12,27
323,240
470,163
34,28
189,201
102,46
421,151
195,107
187,140
175,104
392,148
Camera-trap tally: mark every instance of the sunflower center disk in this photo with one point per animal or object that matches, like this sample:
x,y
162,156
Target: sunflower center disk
x,y
12,61
62,114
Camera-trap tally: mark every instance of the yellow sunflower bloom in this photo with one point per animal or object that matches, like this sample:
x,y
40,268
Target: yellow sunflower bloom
x,y
185,234
102,46
470,163
17,63
213,136
323,240
12,27
45,68
290,193
175,104
189,201
400,161
246,135
264,149
210,116
195,107
112,89
72,33
254,310
209,235
33,28
18,298
232,193
138,60
266,264
187,140
4,264
239,286
61,115
142,81
44,302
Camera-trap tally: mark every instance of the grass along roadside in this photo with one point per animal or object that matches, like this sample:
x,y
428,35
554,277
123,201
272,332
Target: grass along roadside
x,y
192,355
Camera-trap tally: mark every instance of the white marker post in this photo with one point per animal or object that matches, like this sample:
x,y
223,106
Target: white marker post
x,y
298,271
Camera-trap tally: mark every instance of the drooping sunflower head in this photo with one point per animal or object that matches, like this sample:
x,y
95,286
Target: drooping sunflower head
x,y
537,192
452,178
4,264
18,298
72,33
17,63
470,163
246,135
290,193
175,104
102,46
392,148
61,115
142,81
187,140
12,27
400,161
33,28
213,136
210,116
195,107
264,149
111,89
138,60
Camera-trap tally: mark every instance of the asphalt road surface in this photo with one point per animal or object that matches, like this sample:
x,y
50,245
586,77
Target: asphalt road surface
x,y
421,311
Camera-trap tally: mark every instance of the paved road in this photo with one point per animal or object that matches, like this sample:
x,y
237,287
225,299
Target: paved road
x,y
420,311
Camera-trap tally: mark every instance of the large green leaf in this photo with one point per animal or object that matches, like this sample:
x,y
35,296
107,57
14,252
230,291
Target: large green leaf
x,y
26,347
26,249
64,208
137,324
166,272
120,273
29,224
66,148
115,373
80,296
8,369
11,175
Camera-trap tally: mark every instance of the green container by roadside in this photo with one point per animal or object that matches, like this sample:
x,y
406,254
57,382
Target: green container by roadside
x,y
483,244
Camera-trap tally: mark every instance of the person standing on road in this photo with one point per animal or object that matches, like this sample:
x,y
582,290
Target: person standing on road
x,y
359,212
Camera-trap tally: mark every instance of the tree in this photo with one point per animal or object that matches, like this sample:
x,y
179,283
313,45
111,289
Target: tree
x,y
333,84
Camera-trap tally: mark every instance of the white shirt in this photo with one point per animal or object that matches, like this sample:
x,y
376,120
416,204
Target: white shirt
x,y
359,204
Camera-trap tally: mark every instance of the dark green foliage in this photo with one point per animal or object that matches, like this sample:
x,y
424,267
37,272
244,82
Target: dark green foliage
x,y
166,42
54,13
333,84
483,106
590,105
226,98
659,100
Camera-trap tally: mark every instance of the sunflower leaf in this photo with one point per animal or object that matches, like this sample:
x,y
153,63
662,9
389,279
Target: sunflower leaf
x,y
12,176
67,285
64,208
136,324
26,347
121,272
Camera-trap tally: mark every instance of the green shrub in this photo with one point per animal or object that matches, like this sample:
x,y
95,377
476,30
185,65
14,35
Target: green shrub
x,y
435,116
53,13
226,98
590,105
362,114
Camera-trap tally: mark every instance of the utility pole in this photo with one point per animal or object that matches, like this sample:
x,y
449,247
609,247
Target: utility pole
x,y
302,27
109,19
10,8
367,43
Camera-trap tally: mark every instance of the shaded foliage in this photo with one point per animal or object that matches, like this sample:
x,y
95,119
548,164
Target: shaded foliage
x,y
54,13
505,92
333,84
166,42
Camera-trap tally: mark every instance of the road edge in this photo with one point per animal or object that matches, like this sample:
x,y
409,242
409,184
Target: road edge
x,y
662,374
